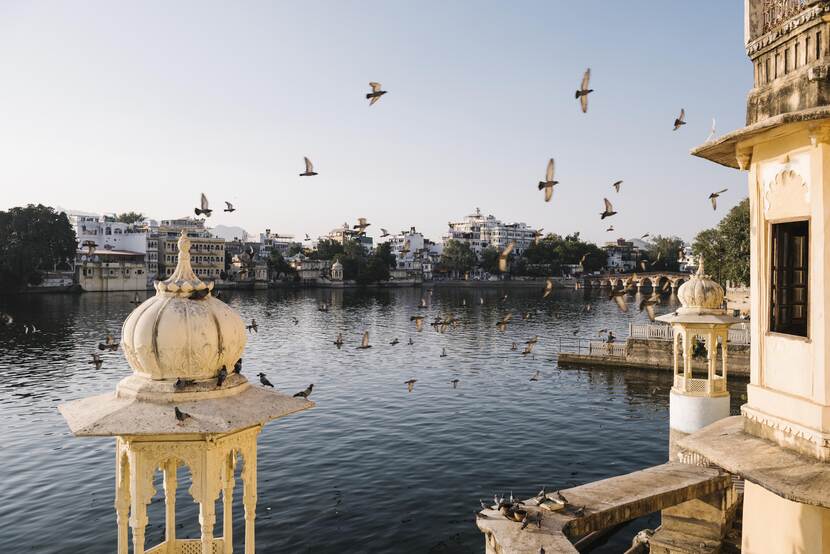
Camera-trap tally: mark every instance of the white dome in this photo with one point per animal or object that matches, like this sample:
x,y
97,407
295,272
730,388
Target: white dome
x,y
700,293
182,332
337,265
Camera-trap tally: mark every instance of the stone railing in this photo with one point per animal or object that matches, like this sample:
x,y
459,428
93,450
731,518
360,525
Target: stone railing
x,y
739,334
600,348
700,387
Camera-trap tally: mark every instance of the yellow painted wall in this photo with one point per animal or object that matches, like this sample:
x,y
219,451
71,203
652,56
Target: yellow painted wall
x,y
774,525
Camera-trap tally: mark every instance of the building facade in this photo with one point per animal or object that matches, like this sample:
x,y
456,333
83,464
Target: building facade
x,y
108,270
207,252
273,242
622,255
481,231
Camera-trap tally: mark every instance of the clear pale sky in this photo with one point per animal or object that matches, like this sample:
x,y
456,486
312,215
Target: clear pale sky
x,y
115,106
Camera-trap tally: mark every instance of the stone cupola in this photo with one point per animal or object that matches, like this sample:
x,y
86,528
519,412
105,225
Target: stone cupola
x,y
700,294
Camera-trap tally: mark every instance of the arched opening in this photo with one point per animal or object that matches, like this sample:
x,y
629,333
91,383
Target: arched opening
x,y
645,285
663,284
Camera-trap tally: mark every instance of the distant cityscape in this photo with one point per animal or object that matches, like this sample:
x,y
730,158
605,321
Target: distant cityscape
x,y
114,255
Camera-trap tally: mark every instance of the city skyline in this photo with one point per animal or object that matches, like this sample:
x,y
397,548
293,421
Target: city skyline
x,y
228,101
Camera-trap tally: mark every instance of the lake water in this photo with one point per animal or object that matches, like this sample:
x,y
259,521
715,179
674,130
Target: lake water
x,y
372,468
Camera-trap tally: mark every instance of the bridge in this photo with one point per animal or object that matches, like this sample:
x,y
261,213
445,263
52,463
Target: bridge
x,y
635,282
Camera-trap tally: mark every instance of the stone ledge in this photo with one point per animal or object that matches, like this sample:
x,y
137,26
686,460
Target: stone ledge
x,y
783,472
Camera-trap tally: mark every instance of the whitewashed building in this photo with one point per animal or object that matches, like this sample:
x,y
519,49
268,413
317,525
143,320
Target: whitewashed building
x,y
274,242
481,231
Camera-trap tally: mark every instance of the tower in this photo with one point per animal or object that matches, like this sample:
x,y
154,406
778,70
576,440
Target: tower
x,y
781,442
337,271
698,398
184,405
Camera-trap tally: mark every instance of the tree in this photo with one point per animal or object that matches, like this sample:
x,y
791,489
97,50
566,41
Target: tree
x,y
663,252
489,261
295,249
277,266
725,248
384,252
129,217
327,249
547,255
33,239
458,257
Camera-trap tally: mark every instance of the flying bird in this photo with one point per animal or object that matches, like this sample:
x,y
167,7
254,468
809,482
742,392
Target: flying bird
x,y
711,136
364,344
376,93
253,326
548,288
307,238
648,303
305,393
383,233
108,344
136,300
680,121
362,223
205,208
455,383
616,185
394,341
410,384
548,184
338,342
264,380
504,254
583,91
309,168
419,322
96,360
501,325
609,209
610,229
229,207
617,296
644,236
443,353
713,198
536,375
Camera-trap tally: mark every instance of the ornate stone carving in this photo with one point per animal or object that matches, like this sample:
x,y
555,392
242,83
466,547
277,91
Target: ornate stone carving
x,y
779,190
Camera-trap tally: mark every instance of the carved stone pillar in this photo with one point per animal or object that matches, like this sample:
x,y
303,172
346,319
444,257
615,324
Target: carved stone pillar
x,y
122,498
249,496
227,500
170,484
208,492
712,351
141,492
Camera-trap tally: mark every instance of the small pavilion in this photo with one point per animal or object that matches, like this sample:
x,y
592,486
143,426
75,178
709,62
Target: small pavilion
x,y
186,404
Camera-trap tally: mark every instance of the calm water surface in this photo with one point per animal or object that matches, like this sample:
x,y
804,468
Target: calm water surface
x,y
372,468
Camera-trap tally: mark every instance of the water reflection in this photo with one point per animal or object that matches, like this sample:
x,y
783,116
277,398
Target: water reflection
x,y
373,467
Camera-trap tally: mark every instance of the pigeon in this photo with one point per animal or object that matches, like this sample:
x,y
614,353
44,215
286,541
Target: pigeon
x,y
617,296
548,184
220,378
182,384
253,326
205,208
503,322
96,360
548,288
180,415
394,341
229,207
410,343
616,185
648,303
583,91
514,346
309,168
264,380
713,198
410,384
383,233
419,322
237,367
295,321
307,238
644,236
362,223
338,342
90,247
503,255
136,300
711,136
443,353
537,235
376,93
108,344
609,209
455,383
364,344
610,229
323,307
528,348
680,121
303,393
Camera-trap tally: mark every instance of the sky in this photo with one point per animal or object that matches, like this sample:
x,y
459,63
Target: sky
x,y
114,106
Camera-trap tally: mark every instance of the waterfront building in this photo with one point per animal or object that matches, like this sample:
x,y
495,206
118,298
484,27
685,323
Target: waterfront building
x,y
781,442
345,233
688,261
622,255
273,242
176,412
108,270
106,232
208,256
481,231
